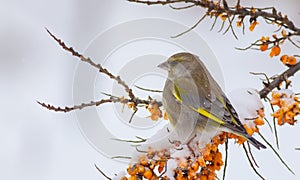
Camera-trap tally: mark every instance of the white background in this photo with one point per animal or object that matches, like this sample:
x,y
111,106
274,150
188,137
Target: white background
x,y
38,144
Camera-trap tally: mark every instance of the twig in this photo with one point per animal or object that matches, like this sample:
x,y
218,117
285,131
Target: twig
x,y
282,161
215,9
222,26
141,140
140,151
264,74
231,27
274,124
165,170
251,164
282,77
191,28
214,23
146,89
68,109
293,42
132,115
89,61
102,172
269,124
113,99
226,157
121,157
251,155
184,7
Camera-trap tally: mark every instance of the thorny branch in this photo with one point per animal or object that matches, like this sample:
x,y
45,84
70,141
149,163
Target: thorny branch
x,y
113,99
226,12
98,66
276,82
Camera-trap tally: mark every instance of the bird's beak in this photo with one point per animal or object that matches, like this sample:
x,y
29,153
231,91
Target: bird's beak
x,y
165,66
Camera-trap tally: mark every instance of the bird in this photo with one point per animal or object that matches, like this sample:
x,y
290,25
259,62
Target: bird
x,y
194,102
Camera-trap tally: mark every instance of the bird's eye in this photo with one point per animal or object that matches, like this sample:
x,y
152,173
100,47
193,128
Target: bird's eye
x,y
173,63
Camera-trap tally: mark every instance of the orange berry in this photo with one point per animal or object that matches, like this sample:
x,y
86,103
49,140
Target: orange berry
x,y
130,105
223,17
253,10
212,176
263,47
296,108
255,129
140,169
132,170
292,60
283,33
239,23
201,162
183,178
154,177
215,140
203,177
214,148
148,174
195,166
124,178
249,130
284,58
161,167
261,112
252,25
259,121
264,39
289,115
132,178
275,51
152,164
143,160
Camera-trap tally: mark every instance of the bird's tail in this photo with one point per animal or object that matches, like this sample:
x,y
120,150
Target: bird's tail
x,y
255,142
245,135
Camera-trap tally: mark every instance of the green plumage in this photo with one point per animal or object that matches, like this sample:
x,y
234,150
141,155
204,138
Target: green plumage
x,y
195,102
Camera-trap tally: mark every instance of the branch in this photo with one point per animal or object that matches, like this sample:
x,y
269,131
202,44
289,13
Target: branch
x,y
112,99
275,83
215,9
102,172
68,109
251,164
98,66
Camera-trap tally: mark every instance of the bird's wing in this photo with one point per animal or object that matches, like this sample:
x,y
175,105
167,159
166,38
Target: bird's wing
x,y
213,105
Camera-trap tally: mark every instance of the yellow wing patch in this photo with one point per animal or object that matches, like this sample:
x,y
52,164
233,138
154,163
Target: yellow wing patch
x,y
207,114
177,92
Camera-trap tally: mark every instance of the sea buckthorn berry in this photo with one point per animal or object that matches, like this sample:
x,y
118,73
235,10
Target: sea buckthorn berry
x,y
292,60
263,47
148,174
275,51
253,25
259,121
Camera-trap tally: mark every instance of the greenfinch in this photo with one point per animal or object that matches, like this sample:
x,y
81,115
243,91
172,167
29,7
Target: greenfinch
x,y
194,102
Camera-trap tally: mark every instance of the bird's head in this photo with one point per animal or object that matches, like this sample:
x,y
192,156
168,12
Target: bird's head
x,y
179,63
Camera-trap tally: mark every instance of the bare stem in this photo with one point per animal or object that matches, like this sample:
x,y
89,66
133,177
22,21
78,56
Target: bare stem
x,y
213,7
89,61
282,77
